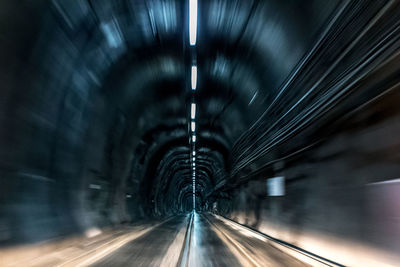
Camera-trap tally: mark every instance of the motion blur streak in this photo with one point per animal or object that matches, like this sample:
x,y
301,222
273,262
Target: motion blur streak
x,y
199,133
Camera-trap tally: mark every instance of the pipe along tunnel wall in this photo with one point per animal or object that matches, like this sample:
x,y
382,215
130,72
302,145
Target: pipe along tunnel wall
x,y
94,124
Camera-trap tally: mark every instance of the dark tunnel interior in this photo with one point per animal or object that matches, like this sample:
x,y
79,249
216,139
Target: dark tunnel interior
x,y
110,117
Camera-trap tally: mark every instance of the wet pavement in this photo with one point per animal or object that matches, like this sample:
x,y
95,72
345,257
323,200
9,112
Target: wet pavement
x,y
206,241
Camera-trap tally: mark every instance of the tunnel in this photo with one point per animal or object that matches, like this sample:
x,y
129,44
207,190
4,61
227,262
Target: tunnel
x,y
199,133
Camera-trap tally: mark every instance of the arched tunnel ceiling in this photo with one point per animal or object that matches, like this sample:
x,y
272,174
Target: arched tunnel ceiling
x,y
96,111
130,59
131,48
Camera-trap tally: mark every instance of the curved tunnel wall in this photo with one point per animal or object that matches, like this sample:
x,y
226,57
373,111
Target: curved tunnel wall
x,y
334,144
95,106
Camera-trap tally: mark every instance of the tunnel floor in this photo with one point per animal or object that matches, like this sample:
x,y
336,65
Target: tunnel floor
x,y
193,239
197,240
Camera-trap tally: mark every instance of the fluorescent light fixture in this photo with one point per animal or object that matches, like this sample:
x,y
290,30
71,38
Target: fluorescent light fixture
x,y
193,126
194,77
276,186
194,153
192,22
194,138
193,111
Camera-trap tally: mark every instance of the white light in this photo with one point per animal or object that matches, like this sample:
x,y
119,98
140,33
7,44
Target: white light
x,y
194,164
193,111
194,158
194,153
194,138
92,232
192,21
193,126
95,186
194,77
276,186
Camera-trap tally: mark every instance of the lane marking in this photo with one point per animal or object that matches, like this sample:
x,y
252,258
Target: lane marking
x,y
185,252
172,256
107,248
234,246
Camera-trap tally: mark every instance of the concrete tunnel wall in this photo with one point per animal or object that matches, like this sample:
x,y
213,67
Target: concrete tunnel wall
x,y
93,135
338,198
341,169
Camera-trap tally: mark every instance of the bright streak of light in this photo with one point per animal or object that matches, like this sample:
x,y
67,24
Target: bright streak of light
x,y
193,126
192,22
194,77
193,111
95,186
194,139
92,232
194,153
112,34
